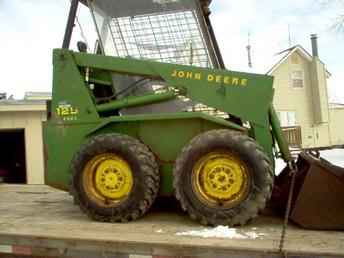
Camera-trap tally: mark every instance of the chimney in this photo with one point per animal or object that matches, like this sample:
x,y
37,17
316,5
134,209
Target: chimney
x,y
314,39
318,86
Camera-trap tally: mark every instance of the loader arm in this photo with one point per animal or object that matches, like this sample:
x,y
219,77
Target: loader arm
x,y
245,95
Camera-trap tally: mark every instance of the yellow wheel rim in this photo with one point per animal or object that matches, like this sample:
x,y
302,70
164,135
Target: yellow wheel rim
x,y
220,179
108,179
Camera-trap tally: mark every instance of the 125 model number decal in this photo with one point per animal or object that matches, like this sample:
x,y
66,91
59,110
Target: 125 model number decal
x,y
67,112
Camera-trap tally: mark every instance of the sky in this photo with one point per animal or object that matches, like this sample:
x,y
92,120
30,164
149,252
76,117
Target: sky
x,y
31,29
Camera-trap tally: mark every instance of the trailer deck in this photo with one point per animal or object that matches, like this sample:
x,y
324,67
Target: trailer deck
x,y
39,220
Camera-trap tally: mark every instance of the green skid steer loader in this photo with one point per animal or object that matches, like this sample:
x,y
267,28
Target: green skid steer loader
x,y
123,128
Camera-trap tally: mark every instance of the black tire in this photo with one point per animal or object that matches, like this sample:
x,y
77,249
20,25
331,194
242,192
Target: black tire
x,y
145,175
249,152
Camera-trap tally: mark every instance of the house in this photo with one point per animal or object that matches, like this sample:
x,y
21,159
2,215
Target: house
x,y
301,99
21,152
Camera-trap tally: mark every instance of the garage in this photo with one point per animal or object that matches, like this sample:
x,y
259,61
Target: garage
x,y
21,148
12,156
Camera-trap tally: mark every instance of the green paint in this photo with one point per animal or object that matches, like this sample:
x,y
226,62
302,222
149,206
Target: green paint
x,y
250,102
278,133
76,117
136,101
165,138
168,116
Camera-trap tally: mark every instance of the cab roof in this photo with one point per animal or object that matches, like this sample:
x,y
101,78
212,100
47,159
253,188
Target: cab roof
x,y
142,6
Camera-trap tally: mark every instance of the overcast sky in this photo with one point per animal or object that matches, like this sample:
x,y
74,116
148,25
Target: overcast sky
x,y
30,29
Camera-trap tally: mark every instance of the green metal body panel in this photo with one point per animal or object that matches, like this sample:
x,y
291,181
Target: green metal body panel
x,y
277,132
136,101
245,95
75,116
165,134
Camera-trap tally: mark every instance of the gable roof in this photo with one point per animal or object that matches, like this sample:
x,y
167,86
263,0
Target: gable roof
x,y
288,52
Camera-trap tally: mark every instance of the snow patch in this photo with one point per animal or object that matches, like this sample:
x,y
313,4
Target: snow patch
x,y
279,166
335,156
222,232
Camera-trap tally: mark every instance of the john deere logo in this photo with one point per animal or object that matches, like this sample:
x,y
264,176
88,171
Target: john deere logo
x,y
210,77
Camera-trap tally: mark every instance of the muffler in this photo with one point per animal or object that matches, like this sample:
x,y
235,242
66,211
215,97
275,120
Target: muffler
x,y
318,195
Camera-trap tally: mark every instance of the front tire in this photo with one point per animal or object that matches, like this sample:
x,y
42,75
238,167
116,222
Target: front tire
x,y
223,177
115,178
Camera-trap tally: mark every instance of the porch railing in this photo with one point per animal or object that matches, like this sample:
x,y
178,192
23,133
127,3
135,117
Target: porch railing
x,y
293,136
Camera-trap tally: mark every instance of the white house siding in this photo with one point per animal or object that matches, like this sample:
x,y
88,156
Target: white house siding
x,y
289,99
319,91
322,135
337,126
315,129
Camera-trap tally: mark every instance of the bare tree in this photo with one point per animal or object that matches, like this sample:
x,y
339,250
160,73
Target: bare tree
x,y
338,22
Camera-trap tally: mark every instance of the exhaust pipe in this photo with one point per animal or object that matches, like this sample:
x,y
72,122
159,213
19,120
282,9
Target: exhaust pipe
x,y
314,40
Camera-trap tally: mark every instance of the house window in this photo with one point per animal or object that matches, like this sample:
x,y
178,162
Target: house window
x,y
287,118
297,79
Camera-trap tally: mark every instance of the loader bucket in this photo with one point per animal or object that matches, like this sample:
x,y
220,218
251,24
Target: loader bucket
x,y
318,196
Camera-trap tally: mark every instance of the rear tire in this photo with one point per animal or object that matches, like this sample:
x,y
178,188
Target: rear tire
x,y
115,178
223,177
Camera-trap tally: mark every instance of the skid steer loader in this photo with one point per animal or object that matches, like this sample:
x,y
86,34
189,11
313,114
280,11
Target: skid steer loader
x,y
125,125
